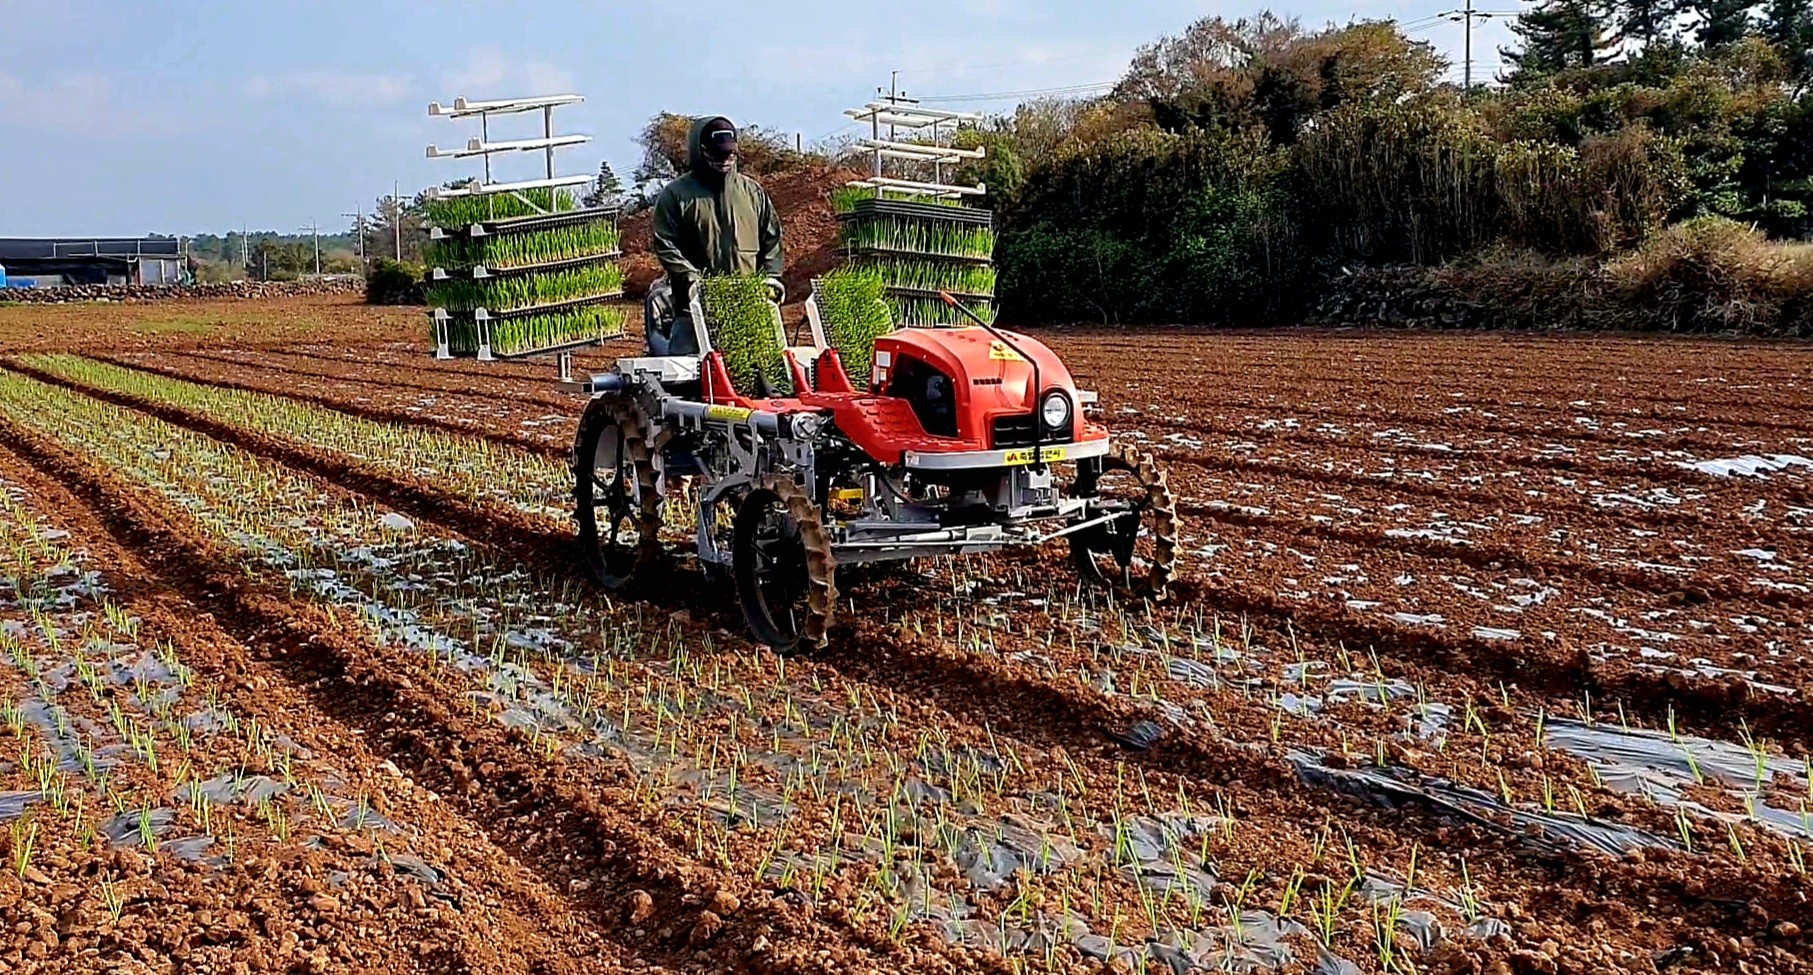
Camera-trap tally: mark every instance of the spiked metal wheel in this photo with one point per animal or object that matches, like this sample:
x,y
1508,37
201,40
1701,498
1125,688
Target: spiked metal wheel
x,y
1135,553
781,558
614,499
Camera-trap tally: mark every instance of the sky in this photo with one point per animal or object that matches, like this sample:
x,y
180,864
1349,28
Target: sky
x,y
189,117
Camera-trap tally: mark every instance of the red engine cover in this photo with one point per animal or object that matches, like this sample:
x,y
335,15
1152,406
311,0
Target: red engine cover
x,y
989,377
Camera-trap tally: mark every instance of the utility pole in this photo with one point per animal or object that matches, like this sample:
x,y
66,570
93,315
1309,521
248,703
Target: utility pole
x,y
359,230
316,231
1467,15
895,97
396,208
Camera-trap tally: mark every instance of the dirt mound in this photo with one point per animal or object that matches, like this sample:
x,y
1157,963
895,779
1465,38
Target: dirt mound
x,y
809,227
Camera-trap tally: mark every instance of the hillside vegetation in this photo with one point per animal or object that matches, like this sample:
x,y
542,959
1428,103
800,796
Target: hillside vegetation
x,y
1243,172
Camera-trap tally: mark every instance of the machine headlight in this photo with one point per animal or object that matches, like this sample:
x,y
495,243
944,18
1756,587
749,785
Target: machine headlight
x,y
1055,411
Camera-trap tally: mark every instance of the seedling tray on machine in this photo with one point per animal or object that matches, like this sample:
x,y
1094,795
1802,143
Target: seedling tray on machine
x,y
883,207
479,272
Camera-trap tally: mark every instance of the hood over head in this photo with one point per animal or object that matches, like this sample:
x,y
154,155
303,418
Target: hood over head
x,y
696,158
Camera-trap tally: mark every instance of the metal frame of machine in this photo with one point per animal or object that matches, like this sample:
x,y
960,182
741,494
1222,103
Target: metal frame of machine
x,y
787,489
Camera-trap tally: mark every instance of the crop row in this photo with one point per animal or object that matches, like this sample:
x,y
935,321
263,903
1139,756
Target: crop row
x,y
117,743
464,466
752,756
1556,793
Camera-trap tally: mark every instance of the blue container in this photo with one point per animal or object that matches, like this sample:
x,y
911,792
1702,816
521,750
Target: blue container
x,y
2,275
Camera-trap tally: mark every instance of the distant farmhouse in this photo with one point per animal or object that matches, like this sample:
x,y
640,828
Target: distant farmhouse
x,y
42,262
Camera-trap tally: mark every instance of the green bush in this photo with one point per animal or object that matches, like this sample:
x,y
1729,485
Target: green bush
x,y
1239,166
1152,227
391,283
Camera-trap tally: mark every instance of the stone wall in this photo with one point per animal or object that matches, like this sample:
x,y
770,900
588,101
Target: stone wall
x,y
248,290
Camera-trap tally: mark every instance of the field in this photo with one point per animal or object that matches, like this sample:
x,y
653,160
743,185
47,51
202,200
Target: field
x,y
1490,653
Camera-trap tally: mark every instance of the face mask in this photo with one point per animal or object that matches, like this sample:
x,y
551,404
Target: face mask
x,y
720,149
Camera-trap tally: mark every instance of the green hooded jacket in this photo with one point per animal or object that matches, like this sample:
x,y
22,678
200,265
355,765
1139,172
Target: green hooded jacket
x,y
707,223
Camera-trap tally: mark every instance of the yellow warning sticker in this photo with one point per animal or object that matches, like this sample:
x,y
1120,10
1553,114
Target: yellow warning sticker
x,y
999,350
729,414
1048,455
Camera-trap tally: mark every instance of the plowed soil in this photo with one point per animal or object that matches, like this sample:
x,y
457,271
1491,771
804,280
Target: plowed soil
x,y
1488,653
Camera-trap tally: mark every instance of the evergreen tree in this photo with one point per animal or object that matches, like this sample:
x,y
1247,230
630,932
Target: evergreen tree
x,y
1722,22
1645,21
1788,24
1557,35
606,190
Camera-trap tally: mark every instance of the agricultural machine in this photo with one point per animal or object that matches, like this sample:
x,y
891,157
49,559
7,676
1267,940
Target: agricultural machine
x,y
955,448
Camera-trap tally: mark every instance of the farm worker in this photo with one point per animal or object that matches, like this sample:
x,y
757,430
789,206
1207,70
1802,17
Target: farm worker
x,y
712,220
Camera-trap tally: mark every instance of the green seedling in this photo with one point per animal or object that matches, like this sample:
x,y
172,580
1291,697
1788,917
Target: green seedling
x,y
1292,887
112,899
1469,895
463,211
741,320
25,841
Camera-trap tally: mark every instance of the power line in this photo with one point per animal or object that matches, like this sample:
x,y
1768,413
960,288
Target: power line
x,y
1027,93
1007,64
1468,15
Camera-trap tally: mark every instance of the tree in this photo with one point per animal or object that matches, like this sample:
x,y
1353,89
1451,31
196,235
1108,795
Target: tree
x,y
1788,24
394,220
1722,22
1270,75
663,142
1645,21
1557,35
999,171
606,190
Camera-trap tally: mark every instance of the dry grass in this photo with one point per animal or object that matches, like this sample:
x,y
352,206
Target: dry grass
x,y
1717,274
1704,275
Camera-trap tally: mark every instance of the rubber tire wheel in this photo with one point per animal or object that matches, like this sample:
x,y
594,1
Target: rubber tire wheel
x,y
757,506
625,565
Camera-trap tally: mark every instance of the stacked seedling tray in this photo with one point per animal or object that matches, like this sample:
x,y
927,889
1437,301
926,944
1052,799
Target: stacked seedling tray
x,y
518,268
745,329
917,234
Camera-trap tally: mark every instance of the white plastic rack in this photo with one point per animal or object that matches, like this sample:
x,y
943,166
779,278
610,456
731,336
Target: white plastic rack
x,y
479,325
898,201
928,123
